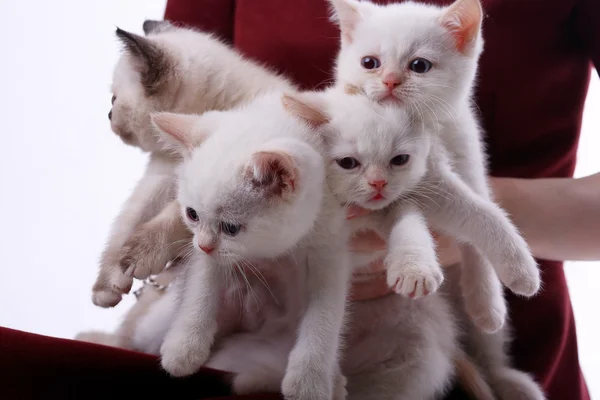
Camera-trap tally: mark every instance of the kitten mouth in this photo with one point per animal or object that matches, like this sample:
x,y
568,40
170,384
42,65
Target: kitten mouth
x,y
390,97
377,197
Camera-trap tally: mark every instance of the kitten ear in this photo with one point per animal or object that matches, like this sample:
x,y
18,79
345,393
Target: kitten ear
x,y
179,132
152,62
347,15
463,20
272,171
152,26
309,107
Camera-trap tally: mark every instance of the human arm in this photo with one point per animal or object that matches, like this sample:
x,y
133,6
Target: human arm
x,y
559,217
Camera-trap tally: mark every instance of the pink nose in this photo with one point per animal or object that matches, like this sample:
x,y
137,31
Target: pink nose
x,y
378,184
391,82
206,249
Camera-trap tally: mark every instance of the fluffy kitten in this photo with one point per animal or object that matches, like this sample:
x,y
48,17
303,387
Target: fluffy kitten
x,y
367,141
171,69
425,58
253,192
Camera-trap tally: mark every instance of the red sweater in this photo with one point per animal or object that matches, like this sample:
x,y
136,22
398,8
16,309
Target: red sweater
x,y
533,81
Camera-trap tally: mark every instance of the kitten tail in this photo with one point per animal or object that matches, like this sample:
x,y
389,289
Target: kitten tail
x,y
471,379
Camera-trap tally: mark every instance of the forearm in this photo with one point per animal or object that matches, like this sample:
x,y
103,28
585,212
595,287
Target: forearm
x,y
559,217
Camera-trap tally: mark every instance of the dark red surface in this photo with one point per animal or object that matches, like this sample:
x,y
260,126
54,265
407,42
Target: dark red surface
x,y
533,82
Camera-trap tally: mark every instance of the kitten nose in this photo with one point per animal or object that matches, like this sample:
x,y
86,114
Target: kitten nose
x,y
206,249
391,82
378,184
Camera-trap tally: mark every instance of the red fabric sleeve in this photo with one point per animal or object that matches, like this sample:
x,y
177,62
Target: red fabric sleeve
x,y
587,27
215,16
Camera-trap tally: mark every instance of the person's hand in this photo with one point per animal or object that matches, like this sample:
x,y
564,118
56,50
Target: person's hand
x,y
370,241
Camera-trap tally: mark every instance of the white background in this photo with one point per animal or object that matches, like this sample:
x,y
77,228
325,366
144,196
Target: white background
x,y
64,174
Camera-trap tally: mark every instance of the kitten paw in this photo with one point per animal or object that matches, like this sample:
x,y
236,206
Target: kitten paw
x,y
413,280
183,354
521,275
108,292
339,388
305,386
143,255
515,385
489,316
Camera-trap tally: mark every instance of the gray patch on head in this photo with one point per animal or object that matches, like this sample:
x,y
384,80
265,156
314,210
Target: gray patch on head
x,y
154,65
243,203
152,26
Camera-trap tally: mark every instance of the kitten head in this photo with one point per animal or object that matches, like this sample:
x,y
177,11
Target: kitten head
x,y
247,191
377,153
165,70
416,54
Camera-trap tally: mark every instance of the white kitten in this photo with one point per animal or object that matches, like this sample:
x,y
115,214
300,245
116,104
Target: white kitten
x,y
367,141
171,69
425,58
254,191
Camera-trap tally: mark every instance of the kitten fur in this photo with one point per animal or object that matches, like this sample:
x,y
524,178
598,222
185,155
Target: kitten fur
x,y
170,69
450,38
247,174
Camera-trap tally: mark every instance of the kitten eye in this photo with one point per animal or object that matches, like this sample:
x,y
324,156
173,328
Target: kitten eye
x,y
348,162
192,214
112,101
400,159
420,65
230,229
370,63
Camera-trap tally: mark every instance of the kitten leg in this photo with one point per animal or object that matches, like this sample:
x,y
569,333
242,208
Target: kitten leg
x,y
155,243
470,218
489,351
412,266
188,342
313,361
482,291
151,192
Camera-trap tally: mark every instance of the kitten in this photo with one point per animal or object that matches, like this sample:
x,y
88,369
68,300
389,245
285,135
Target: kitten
x,y
369,142
171,69
425,58
252,191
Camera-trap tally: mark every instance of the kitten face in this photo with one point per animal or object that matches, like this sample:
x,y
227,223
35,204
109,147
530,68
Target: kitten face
x,y
409,53
378,153
249,189
166,70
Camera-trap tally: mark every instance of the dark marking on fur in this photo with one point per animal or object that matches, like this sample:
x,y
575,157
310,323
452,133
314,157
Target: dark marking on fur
x,y
153,63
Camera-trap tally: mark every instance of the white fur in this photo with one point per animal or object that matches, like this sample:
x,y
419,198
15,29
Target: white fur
x,y
200,74
300,228
396,34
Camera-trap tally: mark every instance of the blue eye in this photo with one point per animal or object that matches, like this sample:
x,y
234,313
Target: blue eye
x,y
400,159
420,65
370,63
230,229
191,214
348,162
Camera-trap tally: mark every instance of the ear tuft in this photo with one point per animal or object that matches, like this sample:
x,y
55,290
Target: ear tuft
x,y
346,14
463,20
307,107
152,63
179,132
153,26
273,171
